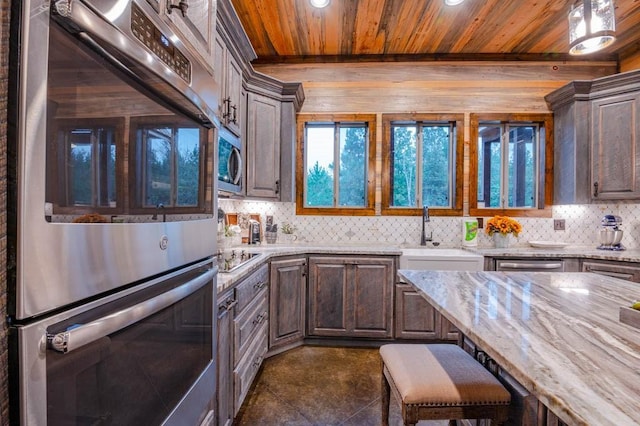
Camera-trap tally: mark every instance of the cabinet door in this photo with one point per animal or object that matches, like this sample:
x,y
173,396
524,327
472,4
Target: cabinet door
x,y
447,331
328,291
351,296
233,94
263,146
287,302
224,363
372,282
220,72
197,27
615,154
415,317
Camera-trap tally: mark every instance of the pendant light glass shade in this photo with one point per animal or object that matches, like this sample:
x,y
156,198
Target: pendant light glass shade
x,y
319,3
452,2
592,26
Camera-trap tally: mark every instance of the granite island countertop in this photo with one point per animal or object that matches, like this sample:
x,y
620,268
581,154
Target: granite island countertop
x,y
558,334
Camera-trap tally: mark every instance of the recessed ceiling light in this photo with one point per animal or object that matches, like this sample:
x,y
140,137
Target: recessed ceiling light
x,y
452,2
319,3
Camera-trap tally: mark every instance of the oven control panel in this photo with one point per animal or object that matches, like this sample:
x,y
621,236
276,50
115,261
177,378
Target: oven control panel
x,y
154,39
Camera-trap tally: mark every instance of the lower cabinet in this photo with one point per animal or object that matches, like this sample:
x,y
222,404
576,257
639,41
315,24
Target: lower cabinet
x,y
416,319
351,296
288,279
242,332
225,412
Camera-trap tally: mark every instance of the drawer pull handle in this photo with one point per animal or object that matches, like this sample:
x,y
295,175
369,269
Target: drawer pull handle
x,y
257,362
259,285
260,318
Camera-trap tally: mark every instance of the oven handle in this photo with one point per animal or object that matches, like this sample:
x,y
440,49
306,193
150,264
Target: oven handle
x,y
75,338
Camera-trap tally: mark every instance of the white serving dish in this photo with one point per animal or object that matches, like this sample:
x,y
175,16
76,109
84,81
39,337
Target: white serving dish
x,y
547,244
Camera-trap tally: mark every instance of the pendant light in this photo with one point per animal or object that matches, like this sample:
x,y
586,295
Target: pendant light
x,y
319,3
452,2
592,26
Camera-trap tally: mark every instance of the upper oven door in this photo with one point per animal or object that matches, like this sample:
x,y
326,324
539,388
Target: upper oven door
x,y
109,127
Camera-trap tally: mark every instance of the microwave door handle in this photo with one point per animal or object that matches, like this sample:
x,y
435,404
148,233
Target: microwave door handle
x,y
75,338
237,173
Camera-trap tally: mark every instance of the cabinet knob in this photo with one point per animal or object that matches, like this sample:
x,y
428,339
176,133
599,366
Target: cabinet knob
x,y
182,6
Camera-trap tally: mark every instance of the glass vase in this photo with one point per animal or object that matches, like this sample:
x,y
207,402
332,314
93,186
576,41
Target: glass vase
x,y
501,240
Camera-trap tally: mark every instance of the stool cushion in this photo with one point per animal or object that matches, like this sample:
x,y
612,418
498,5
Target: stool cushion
x,y
441,374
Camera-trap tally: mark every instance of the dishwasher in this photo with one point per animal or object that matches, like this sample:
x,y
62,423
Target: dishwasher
x,y
530,265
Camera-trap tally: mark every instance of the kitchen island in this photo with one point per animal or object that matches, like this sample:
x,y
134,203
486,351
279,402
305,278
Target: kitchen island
x,y
557,334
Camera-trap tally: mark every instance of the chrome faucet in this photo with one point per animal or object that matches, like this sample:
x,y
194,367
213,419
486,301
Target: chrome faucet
x,y
425,219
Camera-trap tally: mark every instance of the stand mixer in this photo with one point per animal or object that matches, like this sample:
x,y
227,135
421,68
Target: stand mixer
x,y
610,234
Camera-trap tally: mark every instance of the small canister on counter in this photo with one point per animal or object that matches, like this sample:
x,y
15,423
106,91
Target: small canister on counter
x,y
469,232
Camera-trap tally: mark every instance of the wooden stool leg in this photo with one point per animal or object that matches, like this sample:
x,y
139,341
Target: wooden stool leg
x,y
386,399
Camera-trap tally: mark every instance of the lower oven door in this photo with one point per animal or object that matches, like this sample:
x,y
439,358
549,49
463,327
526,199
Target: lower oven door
x,y
143,358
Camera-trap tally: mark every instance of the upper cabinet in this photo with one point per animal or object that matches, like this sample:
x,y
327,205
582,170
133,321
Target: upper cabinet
x,y
260,109
196,23
597,123
615,140
263,146
229,76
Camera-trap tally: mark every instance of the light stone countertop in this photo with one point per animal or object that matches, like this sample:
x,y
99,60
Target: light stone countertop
x,y
590,252
269,251
558,334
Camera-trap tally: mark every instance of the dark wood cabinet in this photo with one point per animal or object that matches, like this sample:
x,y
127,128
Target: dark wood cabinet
x,y
263,146
597,139
351,296
287,299
416,319
226,304
615,147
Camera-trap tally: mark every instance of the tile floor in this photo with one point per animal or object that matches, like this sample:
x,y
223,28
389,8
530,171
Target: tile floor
x,y
317,386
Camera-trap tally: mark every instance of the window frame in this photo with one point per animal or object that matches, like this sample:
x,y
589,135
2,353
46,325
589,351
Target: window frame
x,y
457,154
544,200
58,187
136,203
370,121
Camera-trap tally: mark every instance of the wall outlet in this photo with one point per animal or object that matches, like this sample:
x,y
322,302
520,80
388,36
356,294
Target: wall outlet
x,y
558,224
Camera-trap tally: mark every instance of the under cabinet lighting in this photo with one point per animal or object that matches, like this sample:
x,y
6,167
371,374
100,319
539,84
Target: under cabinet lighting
x,y
592,26
319,3
452,2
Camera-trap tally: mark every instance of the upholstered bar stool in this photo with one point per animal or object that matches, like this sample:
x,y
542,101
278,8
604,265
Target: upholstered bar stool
x,y
440,382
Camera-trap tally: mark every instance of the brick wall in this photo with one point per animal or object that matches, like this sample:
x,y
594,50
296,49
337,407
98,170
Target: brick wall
x,y
4,367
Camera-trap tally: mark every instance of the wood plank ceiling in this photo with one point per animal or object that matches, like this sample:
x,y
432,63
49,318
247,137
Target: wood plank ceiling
x,y
362,30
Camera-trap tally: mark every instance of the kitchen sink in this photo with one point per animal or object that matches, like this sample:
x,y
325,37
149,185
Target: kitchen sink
x,y
440,259
231,260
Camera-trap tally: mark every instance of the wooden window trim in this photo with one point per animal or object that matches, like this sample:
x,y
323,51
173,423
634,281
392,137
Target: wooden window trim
x,y
53,182
546,121
135,207
457,205
369,209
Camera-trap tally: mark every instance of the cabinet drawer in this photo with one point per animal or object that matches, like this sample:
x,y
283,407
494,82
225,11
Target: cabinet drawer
x,y
249,365
247,290
248,323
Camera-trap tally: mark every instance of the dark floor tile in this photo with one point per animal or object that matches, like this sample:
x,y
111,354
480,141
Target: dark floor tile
x,y
319,386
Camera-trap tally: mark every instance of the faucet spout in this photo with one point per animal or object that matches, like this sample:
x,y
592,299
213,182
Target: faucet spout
x,y
160,206
425,219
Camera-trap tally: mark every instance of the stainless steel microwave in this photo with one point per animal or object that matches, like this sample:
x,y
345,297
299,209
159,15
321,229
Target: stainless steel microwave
x,y
229,162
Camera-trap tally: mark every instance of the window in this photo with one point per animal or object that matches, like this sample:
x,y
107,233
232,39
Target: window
x,y
421,164
335,158
86,166
511,154
169,160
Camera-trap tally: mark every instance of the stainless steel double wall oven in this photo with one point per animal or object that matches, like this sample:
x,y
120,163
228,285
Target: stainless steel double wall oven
x,y
111,217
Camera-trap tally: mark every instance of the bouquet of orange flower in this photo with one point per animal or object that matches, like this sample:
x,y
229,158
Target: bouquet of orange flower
x,y
503,225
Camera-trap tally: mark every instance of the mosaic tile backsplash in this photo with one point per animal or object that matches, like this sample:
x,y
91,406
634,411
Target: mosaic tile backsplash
x,y
582,223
